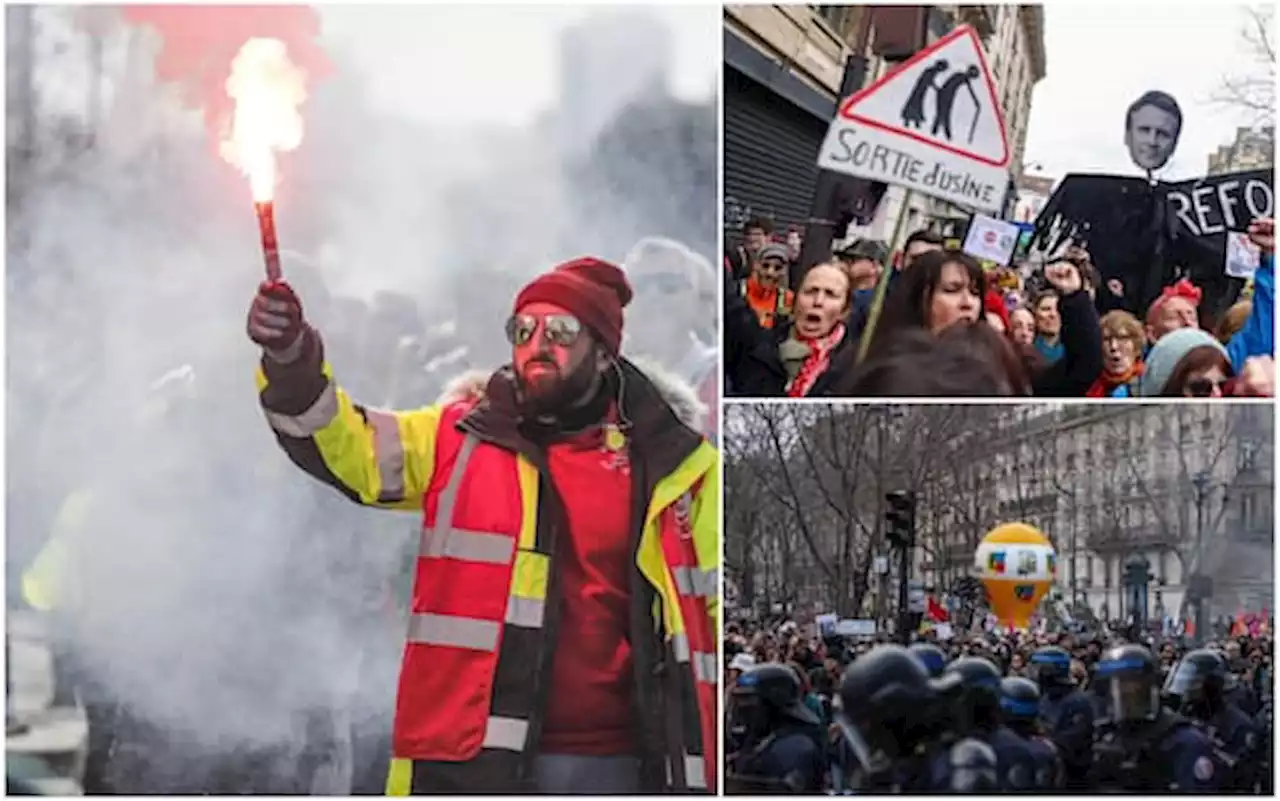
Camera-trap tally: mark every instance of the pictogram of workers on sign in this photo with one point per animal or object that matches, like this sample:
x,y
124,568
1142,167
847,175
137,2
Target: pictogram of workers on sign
x,y
913,111
913,114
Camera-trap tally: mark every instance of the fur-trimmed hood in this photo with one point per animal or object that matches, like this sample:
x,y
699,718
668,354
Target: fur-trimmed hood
x,y
682,398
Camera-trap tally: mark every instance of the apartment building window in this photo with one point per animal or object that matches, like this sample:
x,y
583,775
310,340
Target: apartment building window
x,y
836,16
1246,457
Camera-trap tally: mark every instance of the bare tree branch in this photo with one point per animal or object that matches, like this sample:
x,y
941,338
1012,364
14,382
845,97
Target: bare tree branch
x,y
771,426
1254,93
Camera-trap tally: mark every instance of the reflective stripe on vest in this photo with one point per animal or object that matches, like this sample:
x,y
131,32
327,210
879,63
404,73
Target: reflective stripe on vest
x,y
780,308
692,581
695,646
695,772
704,664
388,452
388,449
316,417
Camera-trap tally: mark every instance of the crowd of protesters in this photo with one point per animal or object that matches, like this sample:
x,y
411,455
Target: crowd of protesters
x,y
950,326
792,726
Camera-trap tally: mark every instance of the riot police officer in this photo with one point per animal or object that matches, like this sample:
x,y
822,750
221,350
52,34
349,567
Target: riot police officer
x,y
1142,746
1020,703
889,717
775,741
1196,687
1066,712
930,656
976,713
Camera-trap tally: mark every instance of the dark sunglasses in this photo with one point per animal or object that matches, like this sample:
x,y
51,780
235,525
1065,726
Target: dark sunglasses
x,y
1203,387
559,329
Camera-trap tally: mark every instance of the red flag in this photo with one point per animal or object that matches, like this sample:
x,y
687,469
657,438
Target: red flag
x,y
936,611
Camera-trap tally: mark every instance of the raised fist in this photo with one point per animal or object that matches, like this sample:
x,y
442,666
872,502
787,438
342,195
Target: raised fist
x,y
1064,277
276,322
1262,232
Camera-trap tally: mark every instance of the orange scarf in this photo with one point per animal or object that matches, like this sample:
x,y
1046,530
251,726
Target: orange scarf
x,y
1106,383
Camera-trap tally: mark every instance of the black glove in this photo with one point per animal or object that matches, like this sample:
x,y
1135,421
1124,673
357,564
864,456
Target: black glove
x,y
275,321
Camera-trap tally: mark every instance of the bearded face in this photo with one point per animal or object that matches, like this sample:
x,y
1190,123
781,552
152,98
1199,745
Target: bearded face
x,y
556,361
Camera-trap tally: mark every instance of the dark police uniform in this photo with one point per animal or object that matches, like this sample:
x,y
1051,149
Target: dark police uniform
x,y
1196,687
779,742
1066,713
890,719
1020,703
791,757
1143,747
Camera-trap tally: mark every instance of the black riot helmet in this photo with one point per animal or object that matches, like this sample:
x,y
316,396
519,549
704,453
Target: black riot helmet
x,y
886,704
1051,667
768,694
1019,699
930,656
1197,683
1132,684
978,704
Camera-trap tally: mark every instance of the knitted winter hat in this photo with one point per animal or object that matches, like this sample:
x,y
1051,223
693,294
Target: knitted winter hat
x,y
1166,354
591,289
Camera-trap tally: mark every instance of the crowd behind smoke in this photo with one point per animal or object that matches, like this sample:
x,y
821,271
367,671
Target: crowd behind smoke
x,y
223,596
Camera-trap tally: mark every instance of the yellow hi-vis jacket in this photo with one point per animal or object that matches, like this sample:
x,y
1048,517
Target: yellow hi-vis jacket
x,y
44,582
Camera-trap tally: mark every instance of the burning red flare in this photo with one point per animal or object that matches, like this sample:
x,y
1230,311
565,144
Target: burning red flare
x,y
268,90
247,67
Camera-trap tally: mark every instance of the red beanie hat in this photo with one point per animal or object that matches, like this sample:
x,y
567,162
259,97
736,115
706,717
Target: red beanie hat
x,y
591,289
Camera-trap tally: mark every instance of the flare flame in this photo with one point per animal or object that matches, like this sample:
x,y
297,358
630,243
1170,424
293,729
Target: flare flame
x,y
268,90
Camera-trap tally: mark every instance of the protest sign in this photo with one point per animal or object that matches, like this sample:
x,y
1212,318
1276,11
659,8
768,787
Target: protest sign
x,y
991,239
1139,232
1243,256
932,125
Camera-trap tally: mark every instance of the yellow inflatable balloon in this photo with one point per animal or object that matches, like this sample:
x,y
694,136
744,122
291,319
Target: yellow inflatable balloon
x,y
1017,565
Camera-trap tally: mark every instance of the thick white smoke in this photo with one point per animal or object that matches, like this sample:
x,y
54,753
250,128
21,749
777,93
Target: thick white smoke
x,y
221,595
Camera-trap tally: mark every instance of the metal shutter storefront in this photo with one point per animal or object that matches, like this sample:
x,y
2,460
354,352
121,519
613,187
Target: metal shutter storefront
x,y
770,155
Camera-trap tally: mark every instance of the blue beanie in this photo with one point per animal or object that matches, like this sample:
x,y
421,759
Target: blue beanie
x,y
1166,354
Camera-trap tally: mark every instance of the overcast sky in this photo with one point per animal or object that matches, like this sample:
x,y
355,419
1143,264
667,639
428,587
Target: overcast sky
x,y
1103,57
446,63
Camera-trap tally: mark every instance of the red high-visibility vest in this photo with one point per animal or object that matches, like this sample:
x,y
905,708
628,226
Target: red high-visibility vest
x,y
478,639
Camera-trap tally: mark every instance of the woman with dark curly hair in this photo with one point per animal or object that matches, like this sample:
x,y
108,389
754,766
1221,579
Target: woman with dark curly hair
x,y
945,288
939,289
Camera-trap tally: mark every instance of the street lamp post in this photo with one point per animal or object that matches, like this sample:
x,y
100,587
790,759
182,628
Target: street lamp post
x,y
900,527
1069,475
1075,553
883,600
1201,483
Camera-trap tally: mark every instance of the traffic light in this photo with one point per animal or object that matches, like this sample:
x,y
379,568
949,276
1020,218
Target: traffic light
x,y
900,518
